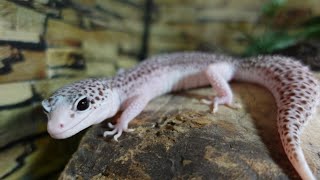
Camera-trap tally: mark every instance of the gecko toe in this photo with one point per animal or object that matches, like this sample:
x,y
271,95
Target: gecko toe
x,y
110,125
129,130
119,133
235,106
215,106
110,133
206,101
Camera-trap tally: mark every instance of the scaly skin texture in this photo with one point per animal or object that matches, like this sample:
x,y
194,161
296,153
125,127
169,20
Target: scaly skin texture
x,y
82,104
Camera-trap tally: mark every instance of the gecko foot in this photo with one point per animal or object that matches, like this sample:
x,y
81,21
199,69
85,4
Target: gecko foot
x,y
216,101
117,130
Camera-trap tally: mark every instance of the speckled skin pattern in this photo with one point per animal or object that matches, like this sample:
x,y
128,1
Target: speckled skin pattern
x,y
294,87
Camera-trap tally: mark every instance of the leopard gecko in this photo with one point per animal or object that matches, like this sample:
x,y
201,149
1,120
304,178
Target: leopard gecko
x,y
79,105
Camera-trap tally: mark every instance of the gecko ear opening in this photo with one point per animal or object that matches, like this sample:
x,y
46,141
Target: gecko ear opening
x,y
46,106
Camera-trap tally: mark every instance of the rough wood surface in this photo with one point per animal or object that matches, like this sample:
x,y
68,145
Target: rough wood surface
x,y
177,137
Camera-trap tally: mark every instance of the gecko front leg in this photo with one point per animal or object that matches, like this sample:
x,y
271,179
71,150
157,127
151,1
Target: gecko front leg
x,y
131,109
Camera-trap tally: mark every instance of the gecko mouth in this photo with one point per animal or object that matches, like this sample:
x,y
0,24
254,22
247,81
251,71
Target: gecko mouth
x,y
56,135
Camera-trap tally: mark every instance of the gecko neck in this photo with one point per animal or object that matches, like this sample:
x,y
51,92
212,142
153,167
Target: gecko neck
x,y
120,95
116,101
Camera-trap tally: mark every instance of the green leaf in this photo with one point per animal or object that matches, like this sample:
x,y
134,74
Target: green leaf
x,y
271,41
270,9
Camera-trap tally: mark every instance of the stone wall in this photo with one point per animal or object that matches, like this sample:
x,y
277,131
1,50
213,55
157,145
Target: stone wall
x,y
44,45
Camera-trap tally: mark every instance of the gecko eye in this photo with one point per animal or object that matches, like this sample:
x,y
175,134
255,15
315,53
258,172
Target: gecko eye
x,y
83,104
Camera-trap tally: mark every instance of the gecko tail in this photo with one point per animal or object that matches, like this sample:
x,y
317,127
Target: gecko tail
x,y
299,162
302,167
290,130
296,93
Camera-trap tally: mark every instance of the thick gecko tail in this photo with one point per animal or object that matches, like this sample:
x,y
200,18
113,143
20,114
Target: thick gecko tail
x,y
296,92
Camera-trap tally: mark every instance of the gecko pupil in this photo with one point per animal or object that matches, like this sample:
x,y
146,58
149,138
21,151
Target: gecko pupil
x,y
83,104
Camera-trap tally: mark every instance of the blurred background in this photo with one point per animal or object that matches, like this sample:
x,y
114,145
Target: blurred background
x,y
45,44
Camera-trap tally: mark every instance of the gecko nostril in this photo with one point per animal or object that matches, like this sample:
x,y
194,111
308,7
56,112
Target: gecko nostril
x,y
61,125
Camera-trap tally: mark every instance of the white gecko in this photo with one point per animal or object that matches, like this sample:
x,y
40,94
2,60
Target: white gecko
x,y
84,103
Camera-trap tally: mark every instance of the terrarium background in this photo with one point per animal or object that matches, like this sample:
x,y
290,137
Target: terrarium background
x,y
45,44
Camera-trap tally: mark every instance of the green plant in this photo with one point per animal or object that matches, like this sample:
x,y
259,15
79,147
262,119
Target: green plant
x,y
275,38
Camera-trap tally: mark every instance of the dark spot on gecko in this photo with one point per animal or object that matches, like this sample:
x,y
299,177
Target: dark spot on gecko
x,y
311,82
97,98
285,127
72,115
92,101
100,93
300,109
286,120
304,102
292,94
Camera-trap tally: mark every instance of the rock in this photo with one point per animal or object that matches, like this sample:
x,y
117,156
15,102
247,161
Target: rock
x,y
177,137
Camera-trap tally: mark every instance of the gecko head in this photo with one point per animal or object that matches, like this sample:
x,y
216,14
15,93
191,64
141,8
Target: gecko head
x,y
79,105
